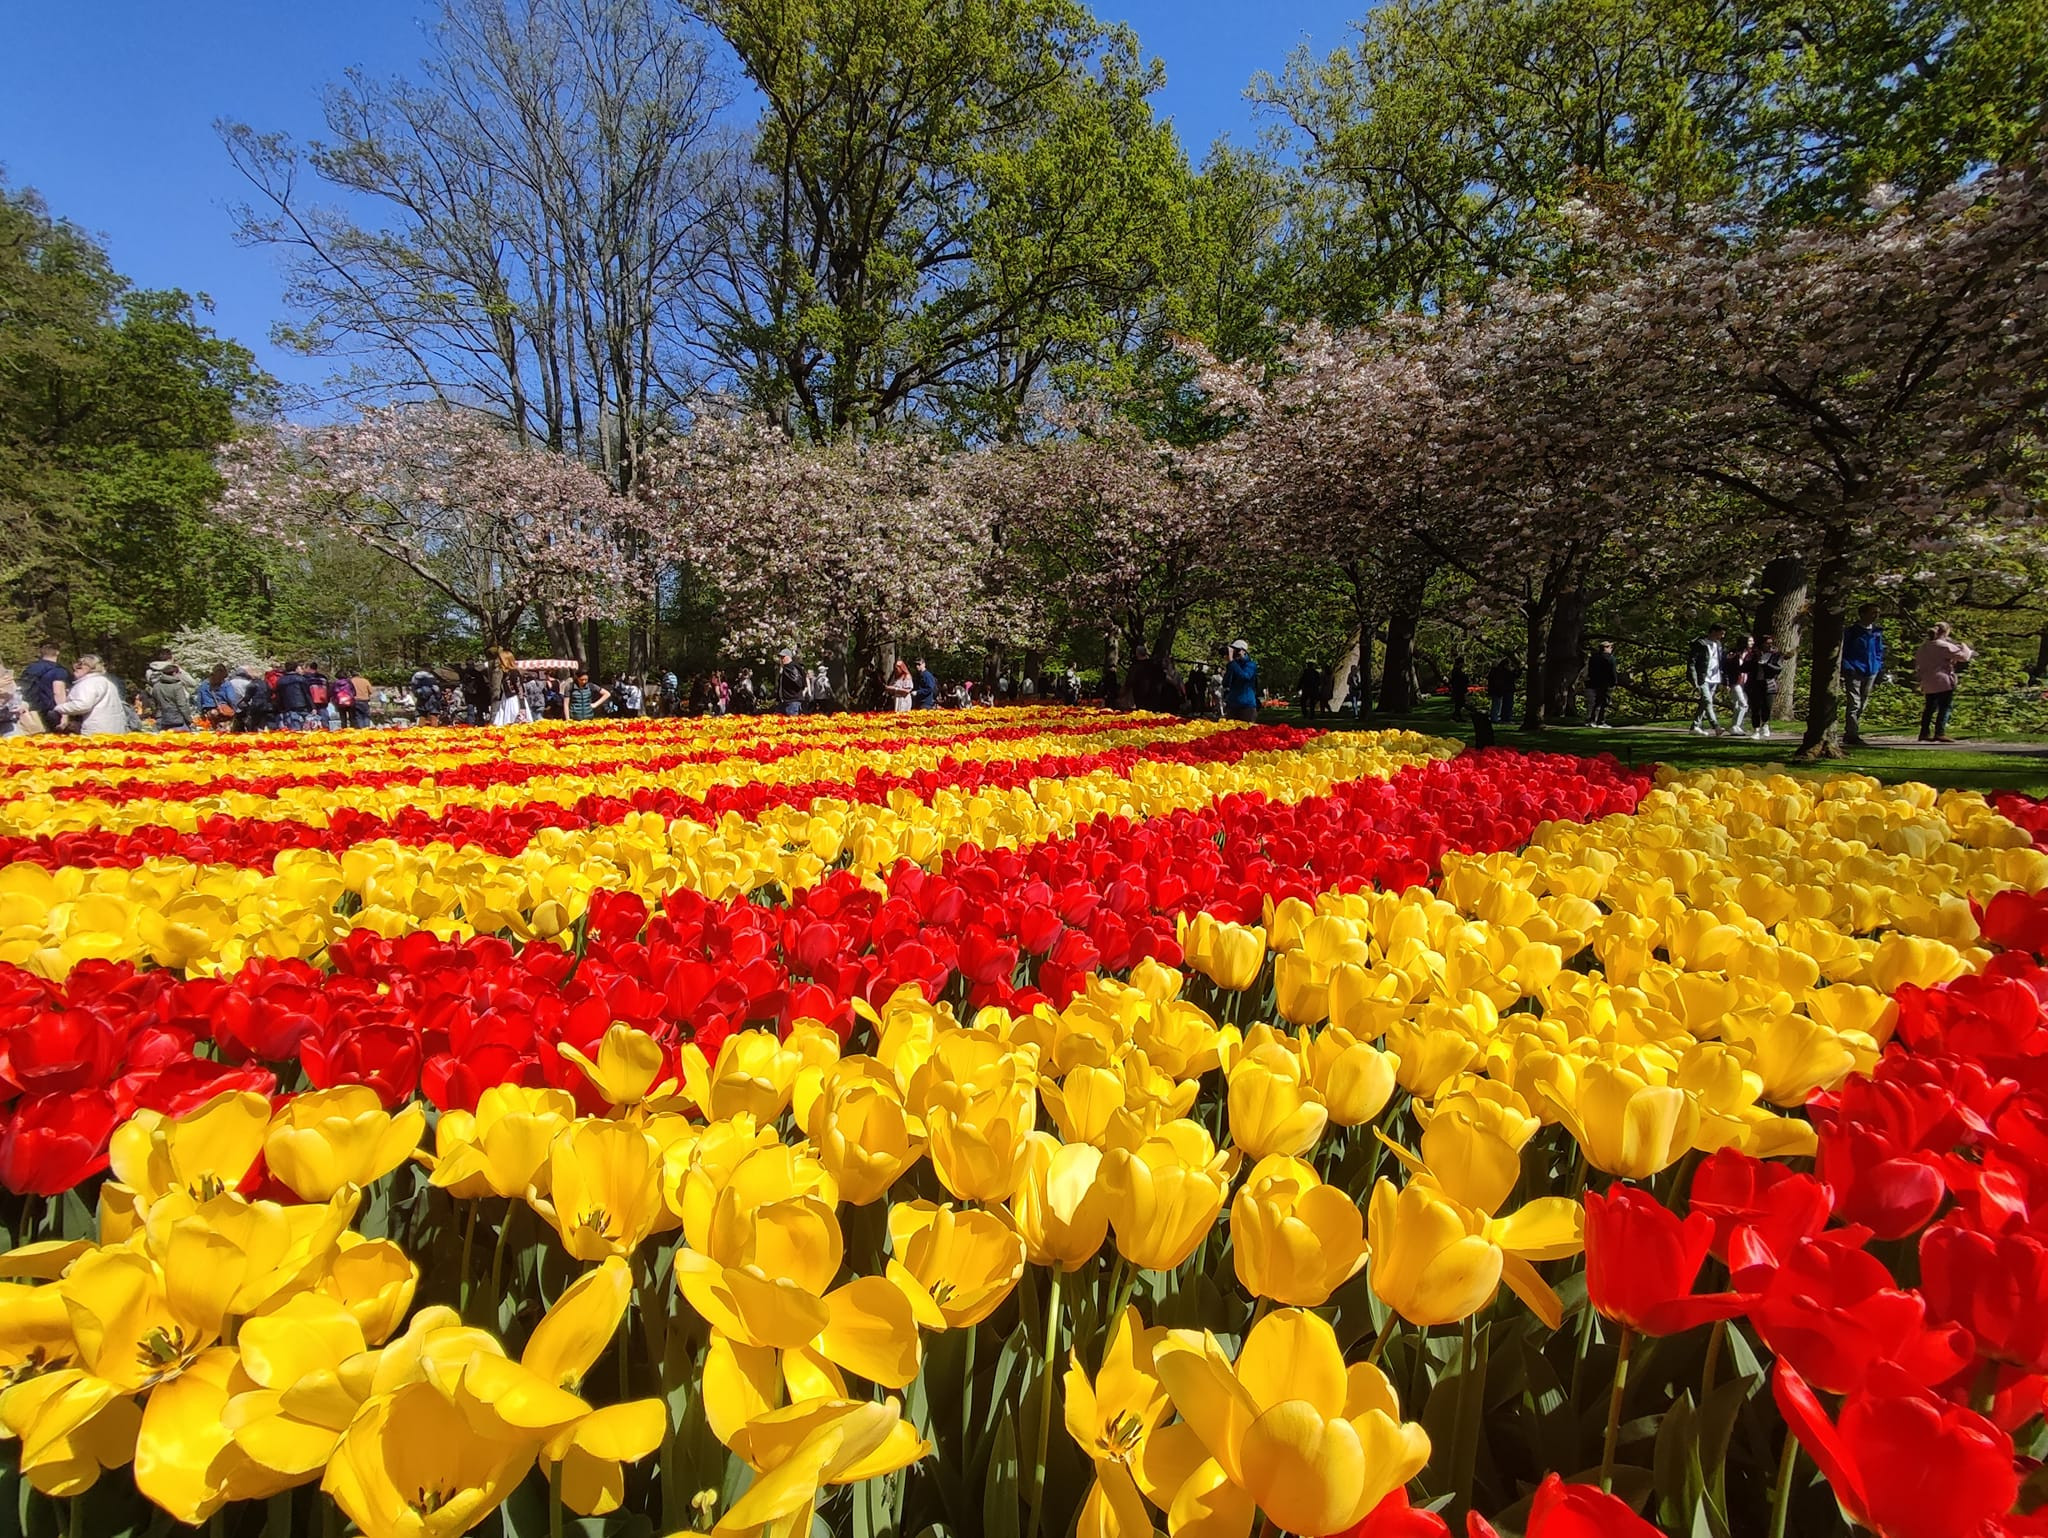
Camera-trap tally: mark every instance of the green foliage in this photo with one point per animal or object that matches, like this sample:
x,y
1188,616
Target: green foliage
x,y
112,401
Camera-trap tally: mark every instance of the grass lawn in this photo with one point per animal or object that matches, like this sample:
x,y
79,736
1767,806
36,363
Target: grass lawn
x,y
2021,767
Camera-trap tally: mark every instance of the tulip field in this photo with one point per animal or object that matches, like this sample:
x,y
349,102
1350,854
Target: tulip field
x,y
1021,1123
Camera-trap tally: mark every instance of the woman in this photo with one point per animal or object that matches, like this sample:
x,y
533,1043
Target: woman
x,y
427,697
1935,666
216,706
1760,670
534,690
1735,674
900,686
12,706
508,707
94,701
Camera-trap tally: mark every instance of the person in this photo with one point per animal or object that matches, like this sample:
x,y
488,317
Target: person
x,y
671,693
317,692
43,685
169,693
1458,686
1935,666
341,701
926,694
791,684
508,701
1500,689
634,698
1241,684
1735,674
13,708
359,685
901,688
743,700
94,700
1305,686
1760,670
821,688
250,691
1601,677
1112,687
583,699
1027,689
1070,686
533,691
427,699
552,708
1703,670
294,697
1354,688
215,705
1862,666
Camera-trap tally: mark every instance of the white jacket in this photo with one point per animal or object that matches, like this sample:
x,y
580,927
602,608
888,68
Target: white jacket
x,y
95,698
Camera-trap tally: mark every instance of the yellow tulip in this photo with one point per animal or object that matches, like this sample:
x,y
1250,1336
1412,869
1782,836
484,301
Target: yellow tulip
x,y
1791,1055
1085,1107
975,1142
1627,1125
501,1149
374,1280
1273,1107
206,1151
291,1415
864,1136
1293,1238
1179,1039
696,1171
1060,1208
186,1462
604,1188
1431,1260
955,1266
627,1070
1432,1051
1354,1078
1286,1428
72,1426
1112,1417
330,1138
1902,959
1164,1195
755,1074
1301,987
412,1465
1229,955
1473,1146
816,1443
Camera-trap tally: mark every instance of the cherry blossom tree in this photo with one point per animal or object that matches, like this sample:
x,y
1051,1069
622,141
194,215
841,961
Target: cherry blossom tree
x,y
502,530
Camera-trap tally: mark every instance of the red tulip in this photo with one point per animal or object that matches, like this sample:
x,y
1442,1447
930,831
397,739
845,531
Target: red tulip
x,y
54,1142
62,1050
1777,1205
1642,1260
1395,1518
1833,1311
2017,921
1903,1463
1559,1510
1891,1193
1994,1287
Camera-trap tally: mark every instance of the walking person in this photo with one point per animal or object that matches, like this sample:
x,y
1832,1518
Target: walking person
x,y
1354,688
1703,664
1500,689
169,691
1459,685
93,702
926,695
1863,659
508,700
1936,665
1241,684
791,683
1735,674
1602,675
44,683
900,688
1306,687
360,686
1760,682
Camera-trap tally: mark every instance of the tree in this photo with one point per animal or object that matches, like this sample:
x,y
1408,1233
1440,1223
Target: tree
x,y
502,530
112,402
547,183
947,205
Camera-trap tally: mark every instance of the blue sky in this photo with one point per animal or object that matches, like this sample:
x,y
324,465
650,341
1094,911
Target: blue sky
x,y
107,107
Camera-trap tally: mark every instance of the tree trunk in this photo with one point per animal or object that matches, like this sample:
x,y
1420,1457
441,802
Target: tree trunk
x,y
1824,690
592,655
1534,660
1563,662
2039,670
1782,613
1397,676
1357,655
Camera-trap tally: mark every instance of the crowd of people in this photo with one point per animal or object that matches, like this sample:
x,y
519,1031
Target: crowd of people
x,y
1741,678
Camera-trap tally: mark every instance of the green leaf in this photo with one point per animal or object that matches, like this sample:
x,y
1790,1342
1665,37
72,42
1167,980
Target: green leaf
x,y
1002,1497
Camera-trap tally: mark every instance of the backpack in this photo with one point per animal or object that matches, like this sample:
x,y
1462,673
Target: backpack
x,y
255,700
317,693
344,693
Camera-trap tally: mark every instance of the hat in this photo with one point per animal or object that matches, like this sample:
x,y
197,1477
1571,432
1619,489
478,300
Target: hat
x,y
1239,646
785,653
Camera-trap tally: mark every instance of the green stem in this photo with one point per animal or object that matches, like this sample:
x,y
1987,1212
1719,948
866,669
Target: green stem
x,y
1052,1335
1379,1341
330,1517
468,1246
967,1394
1714,1341
1781,1499
498,1260
1628,1341
1259,1311
75,1526
555,1501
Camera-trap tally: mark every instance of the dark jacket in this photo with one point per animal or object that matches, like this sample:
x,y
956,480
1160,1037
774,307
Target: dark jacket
x,y
294,695
1241,683
926,693
1601,672
1502,677
1701,658
789,683
39,682
1863,650
1761,669
170,692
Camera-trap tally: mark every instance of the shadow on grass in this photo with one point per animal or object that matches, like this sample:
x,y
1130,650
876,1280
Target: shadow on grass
x,y
1957,768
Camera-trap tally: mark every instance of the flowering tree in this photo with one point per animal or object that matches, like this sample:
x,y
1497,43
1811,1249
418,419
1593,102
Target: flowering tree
x,y
501,529
848,547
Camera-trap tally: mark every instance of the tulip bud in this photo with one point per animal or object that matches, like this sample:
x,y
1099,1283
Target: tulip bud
x,y
1165,1194
1294,1239
1431,1260
1355,1080
1273,1108
1060,1208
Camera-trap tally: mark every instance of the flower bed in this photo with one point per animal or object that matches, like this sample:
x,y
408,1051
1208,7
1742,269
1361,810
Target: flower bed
x,y
1053,1123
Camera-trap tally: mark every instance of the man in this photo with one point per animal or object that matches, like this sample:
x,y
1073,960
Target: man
x,y
924,694
1241,684
169,692
1500,689
1703,666
94,700
583,699
790,682
43,685
293,697
1601,677
250,691
1862,666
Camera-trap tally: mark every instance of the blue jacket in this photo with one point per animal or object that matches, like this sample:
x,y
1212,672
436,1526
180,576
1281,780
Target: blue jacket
x,y
925,693
1863,650
1241,682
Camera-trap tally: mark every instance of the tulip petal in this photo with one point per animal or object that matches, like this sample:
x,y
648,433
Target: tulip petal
x,y
870,1331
